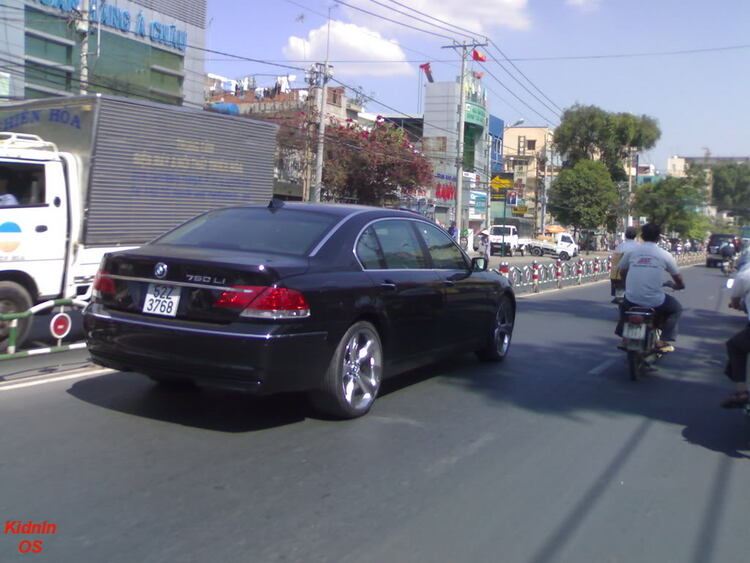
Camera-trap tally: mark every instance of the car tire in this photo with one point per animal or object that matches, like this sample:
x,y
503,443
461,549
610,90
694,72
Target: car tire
x,y
536,251
14,299
351,383
501,333
564,256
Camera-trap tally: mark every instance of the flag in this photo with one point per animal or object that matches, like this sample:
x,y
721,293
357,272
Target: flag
x,y
427,71
478,56
478,74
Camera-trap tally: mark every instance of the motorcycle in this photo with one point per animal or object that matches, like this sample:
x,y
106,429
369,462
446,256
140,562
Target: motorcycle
x,y
641,331
727,266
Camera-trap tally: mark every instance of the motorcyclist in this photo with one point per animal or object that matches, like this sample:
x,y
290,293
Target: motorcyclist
x,y
642,269
738,346
617,284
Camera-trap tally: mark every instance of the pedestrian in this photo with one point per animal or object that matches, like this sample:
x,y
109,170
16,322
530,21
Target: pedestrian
x,y
486,248
738,346
453,231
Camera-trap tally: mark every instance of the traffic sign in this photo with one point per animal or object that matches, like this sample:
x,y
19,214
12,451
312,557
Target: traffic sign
x,y
60,325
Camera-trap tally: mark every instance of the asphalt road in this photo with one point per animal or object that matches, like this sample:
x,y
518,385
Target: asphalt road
x,y
553,455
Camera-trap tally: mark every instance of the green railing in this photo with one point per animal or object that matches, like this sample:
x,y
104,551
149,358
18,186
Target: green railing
x,y
56,331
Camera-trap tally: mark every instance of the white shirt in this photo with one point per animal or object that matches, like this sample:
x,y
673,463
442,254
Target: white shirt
x,y
627,244
741,287
645,264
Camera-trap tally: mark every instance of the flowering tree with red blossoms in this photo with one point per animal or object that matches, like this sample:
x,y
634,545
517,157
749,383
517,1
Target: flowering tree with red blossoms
x,y
372,166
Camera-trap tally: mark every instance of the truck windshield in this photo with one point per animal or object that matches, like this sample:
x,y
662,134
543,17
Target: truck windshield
x,y
501,231
252,229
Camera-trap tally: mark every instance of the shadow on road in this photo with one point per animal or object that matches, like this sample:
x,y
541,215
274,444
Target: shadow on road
x,y
209,409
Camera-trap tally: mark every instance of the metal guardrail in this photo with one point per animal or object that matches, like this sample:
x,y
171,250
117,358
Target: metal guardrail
x,y
59,328
561,274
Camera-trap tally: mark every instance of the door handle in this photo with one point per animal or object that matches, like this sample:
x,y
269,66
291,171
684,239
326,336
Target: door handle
x,y
41,228
389,285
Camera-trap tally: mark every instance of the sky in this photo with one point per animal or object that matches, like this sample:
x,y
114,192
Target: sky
x,y
685,63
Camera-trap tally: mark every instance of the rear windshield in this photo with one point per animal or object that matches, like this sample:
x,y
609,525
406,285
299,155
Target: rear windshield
x,y
720,239
284,231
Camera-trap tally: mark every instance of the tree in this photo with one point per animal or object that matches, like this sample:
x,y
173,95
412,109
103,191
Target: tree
x,y
588,132
583,196
731,189
372,166
674,204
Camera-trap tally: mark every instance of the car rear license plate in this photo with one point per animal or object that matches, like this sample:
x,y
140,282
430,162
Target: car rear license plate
x,y
162,300
636,332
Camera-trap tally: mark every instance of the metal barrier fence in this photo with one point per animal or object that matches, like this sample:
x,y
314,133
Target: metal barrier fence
x,y
559,274
59,326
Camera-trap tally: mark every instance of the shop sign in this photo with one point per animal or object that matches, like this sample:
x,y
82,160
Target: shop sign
x,y
499,185
123,20
475,114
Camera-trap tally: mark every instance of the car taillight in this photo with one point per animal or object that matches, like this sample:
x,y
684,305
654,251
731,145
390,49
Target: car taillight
x,y
635,319
240,297
265,302
103,284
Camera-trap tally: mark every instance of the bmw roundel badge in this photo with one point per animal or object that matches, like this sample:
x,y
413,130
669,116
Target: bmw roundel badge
x,y
160,270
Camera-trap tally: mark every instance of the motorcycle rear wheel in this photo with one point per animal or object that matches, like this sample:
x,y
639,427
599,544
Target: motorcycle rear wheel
x,y
635,364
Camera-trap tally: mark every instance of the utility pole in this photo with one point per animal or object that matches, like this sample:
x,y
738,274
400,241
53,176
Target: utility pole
x,y
83,29
461,121
323,75
547,179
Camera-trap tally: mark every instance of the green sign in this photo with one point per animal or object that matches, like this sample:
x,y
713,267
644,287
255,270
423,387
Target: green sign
x,y
475,114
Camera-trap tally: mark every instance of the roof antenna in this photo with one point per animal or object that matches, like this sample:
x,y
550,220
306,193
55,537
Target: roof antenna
x,y
275,204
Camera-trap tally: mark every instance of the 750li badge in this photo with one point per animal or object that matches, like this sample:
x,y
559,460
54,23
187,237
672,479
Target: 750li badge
x,y
206,279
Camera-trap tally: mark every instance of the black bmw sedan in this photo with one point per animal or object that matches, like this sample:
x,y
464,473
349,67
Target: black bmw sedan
x,y
326,299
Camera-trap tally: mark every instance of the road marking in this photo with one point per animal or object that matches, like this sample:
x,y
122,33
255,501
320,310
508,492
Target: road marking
x,y
43,379
601,368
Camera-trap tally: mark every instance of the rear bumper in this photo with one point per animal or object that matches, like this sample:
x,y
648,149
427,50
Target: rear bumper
x,y
253,358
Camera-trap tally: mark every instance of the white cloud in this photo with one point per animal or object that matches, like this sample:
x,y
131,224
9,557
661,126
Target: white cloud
x,y
478,16
349,42
584,5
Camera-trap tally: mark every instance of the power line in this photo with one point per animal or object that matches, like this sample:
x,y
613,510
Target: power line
x,y
492,43
393,21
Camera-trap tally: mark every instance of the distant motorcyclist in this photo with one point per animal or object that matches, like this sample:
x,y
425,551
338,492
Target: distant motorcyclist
x,y
617,284
642,268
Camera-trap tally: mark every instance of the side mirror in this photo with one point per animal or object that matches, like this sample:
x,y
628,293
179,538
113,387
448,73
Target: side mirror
x,y
479,264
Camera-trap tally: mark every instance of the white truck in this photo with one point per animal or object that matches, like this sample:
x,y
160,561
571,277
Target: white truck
x,y
91,174
561,245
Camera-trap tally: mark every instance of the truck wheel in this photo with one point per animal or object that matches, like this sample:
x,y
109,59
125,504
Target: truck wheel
x,y
501,332
564,256
352,381
14,299
536,251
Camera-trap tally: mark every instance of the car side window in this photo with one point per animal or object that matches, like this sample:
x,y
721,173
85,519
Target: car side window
x,y
369,251
400,245
443,251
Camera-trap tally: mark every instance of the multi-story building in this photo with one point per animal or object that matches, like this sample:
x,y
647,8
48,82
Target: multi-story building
x,y
440,146
527,154
150,49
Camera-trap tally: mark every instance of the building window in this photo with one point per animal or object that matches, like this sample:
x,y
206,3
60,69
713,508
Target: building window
x,y
531,145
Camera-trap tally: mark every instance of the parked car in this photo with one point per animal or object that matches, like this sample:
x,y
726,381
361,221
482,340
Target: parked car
x,y
713,257
325,299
